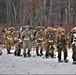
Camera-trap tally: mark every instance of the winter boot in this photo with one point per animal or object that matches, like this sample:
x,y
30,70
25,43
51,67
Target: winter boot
x,y
74,62
66,60
15,53
59,60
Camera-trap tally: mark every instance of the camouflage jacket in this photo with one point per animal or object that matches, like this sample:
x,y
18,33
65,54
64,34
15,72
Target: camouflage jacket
x,y
62,40
50,39
39,36
27,36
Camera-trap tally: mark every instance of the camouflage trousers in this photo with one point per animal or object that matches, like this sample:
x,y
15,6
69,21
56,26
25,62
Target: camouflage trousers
x,y
49,50
8,45
39,45
27,44
74,53
60,49
18,48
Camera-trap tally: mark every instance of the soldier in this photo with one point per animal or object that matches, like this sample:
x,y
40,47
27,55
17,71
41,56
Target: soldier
x,y
50,39
18,43
12,29
4,34
39,39
27,37
36,30
74,46
8,41
61,45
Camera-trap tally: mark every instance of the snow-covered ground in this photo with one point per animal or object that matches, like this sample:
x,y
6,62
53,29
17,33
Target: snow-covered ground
x,y
10,64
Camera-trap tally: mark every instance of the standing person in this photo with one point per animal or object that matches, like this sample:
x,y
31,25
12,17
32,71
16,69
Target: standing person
x,y
27,37
61,45
18,43
50,37
39,39
73,39
8,40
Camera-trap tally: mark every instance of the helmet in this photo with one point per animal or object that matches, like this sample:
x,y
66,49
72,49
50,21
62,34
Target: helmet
x,y
40,27
63,30
27,26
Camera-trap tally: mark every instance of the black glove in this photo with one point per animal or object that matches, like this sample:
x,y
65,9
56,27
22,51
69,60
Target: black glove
x,y
57,46
33,38
23,36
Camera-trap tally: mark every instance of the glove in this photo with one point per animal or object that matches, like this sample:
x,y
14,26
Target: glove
x,y
33,38
57,46
23,36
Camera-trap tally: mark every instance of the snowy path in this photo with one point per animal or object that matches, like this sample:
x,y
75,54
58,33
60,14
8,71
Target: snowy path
x,y
10,64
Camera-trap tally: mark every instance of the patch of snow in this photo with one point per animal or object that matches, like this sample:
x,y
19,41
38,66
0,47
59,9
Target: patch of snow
x,y
10,64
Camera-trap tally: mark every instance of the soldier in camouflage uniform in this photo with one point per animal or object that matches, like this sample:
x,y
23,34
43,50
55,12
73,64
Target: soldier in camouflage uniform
x,y
61,45
18,43
8,41
39,39
36,30
73,39
50,39
27,37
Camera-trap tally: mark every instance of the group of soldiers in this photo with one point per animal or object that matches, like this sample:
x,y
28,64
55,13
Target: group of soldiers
x,y
40,38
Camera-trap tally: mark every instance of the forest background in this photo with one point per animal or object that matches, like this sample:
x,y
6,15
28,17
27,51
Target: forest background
x,y
55,13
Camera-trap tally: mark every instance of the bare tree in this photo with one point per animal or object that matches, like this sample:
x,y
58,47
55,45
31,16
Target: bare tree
x,y
39,12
